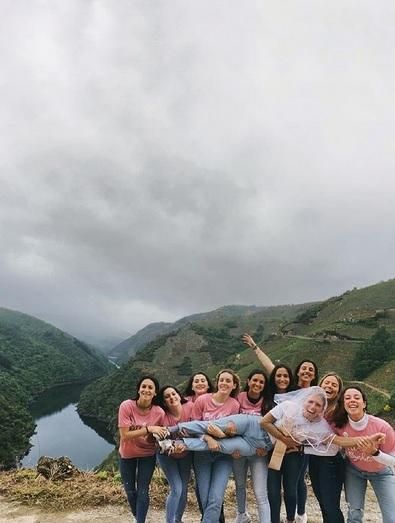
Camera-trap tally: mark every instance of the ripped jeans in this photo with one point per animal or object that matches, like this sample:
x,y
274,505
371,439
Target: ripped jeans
x,y
383,484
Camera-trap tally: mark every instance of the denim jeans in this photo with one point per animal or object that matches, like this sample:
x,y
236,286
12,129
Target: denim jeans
x,y
222,515
177,472
383,484
212,473
258,468
327,477
247,426
301,491
136,474
289,474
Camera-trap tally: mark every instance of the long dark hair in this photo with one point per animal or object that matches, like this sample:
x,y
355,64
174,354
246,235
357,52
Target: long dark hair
x,y
161,399
272,382
340,416
265,394
155,382
188,391
314,381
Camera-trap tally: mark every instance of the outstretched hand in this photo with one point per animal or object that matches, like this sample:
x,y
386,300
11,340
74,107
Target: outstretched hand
x,y
248,340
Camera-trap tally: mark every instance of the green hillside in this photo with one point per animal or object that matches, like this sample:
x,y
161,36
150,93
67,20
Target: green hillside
x,y
332,333
35,356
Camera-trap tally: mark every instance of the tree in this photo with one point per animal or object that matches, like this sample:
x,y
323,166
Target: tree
x,y
374,352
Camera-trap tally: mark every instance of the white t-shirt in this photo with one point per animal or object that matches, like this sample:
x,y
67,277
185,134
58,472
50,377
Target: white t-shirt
x,y
315,436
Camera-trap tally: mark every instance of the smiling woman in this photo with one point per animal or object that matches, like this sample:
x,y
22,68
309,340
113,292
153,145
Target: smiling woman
x,y
138,420
213,468
373,463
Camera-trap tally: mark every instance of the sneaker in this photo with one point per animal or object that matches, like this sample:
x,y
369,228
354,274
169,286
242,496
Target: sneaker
x,y
301,518
243,517
165,446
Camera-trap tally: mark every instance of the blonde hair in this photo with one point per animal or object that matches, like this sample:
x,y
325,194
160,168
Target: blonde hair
x,y
338,378
236,380
333,404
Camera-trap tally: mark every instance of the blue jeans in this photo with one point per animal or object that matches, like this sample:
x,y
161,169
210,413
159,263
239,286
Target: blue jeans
x,y
383,484
301,491
289,474
327,477
221,516
212,473
136,474
248,427
177,472
258,467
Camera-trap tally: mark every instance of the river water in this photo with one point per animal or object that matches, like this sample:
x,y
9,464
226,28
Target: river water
x,y
61,432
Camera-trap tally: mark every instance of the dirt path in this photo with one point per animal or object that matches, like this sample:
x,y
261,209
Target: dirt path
x,y
380,391
12,512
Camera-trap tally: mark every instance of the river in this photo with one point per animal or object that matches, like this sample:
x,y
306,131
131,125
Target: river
x,y
61,432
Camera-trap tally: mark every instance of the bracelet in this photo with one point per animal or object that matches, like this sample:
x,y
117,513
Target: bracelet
x,y
255,347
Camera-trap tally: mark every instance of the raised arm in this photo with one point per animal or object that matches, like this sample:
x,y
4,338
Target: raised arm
x,y
266,362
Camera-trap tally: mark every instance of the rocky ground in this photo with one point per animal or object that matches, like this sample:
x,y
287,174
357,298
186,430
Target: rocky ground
x,y
15,512
25,498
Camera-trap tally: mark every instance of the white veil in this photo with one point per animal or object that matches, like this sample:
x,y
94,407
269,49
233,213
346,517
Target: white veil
x,y
302,418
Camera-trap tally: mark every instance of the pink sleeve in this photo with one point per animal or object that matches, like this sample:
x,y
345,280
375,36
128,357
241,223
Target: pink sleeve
x,y
389,445
124,412
198,408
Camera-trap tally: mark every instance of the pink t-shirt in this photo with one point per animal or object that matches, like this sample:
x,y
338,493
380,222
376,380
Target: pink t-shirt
x,y
130,416
356,456
206,408
169,420
246,407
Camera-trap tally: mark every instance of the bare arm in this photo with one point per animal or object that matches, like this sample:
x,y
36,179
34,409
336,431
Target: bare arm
x,y
267,423
266,362
127,433
366,443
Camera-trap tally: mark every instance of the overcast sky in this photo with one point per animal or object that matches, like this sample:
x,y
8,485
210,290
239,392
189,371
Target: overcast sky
x,y
160,158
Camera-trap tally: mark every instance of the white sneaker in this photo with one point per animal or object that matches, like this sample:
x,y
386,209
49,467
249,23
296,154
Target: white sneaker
x,y
301,519
243,517
165,446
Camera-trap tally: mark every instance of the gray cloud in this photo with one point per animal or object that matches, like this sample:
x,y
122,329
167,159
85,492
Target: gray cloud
x,y
160,159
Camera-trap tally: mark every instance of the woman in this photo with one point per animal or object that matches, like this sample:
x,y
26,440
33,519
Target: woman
x,y
199,383
375,463
306,374
327,472
301,422
238,433
254,402
177,467
212,469
281,382
138,420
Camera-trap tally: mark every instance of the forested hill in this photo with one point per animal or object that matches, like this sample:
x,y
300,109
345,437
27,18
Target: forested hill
x,y
205,341
129,347
35,356
352,334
